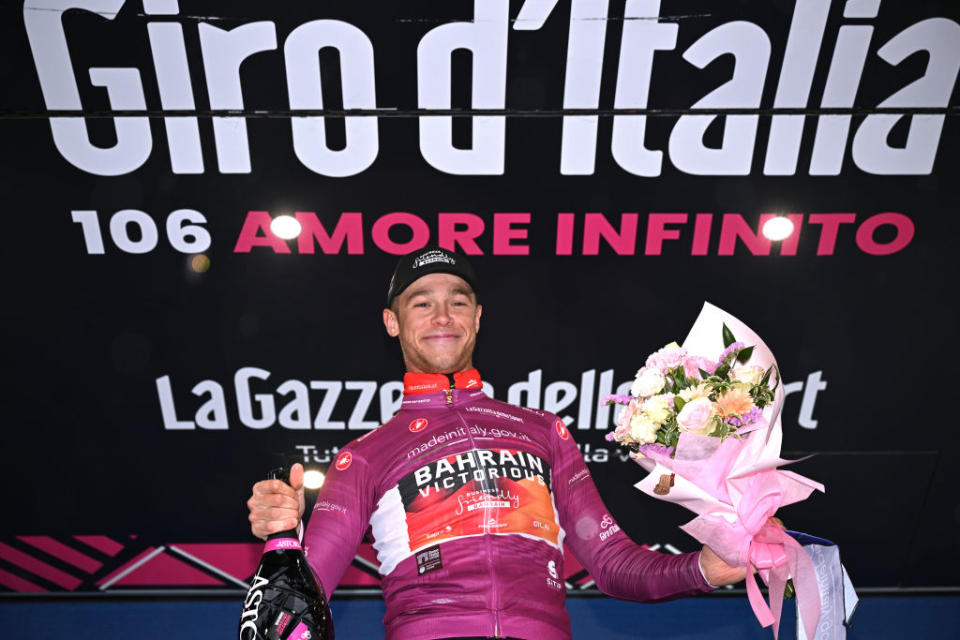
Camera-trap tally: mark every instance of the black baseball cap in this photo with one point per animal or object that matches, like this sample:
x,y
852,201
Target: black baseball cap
x,y
422,262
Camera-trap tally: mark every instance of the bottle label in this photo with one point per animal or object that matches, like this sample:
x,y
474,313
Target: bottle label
x,y
283,543
300,632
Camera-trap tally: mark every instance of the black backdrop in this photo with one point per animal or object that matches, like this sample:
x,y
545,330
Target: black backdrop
x,y
98,342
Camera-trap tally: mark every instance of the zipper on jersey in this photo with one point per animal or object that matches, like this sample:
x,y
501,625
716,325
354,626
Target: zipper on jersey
x,y
449,390
495,600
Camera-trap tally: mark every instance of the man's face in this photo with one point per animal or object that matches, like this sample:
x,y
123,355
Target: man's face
x,y
436,319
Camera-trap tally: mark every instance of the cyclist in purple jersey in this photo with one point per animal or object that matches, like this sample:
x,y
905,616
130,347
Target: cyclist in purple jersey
x,y
470,500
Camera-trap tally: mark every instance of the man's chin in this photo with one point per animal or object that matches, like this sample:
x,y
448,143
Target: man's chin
x,y
443,365
446,359
446,369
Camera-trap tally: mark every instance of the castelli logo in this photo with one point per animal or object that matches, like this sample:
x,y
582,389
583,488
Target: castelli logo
x,y
344,460
562,430
471,383
418,425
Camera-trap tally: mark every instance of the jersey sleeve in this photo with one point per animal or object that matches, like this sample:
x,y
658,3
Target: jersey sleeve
x,y
339,519
620,567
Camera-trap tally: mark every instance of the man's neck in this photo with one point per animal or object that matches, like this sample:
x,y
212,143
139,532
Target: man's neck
x,y
415,382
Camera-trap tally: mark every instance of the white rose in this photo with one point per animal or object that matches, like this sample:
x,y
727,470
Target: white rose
x,y
658,408
649,382
643,430
751,375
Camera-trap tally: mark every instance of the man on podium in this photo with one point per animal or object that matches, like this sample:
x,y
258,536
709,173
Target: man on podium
x,y
470,500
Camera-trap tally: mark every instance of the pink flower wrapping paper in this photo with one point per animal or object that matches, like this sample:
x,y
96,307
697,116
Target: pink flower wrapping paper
x,y
735,485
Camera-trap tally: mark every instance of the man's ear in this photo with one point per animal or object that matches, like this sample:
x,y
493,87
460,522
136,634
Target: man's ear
x,y
476,320
391,323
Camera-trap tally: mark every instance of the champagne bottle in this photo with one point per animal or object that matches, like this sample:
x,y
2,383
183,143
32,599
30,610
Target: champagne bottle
x,y
285,601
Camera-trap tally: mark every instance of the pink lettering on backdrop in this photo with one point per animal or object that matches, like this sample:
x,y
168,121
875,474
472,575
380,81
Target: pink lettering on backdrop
x,y
565,233
349,228
504,233
596,226
468,233
734,227
701,234
903,225
830,226
657,230
449,236
256,233
381,233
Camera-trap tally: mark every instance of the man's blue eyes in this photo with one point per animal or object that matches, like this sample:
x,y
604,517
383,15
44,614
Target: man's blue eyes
x,y
456,303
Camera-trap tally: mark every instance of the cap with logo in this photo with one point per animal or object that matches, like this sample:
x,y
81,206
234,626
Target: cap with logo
x,y
414,266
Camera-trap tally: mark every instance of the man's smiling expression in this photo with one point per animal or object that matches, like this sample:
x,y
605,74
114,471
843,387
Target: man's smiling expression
x,y
436,319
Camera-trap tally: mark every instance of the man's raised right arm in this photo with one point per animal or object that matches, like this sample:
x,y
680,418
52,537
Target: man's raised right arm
x,y
336,525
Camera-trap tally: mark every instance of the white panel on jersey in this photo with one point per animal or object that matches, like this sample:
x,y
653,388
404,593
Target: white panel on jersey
x,y
391,538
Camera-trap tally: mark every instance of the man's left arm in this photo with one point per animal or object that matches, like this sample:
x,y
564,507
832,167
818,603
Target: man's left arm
x,y
620,567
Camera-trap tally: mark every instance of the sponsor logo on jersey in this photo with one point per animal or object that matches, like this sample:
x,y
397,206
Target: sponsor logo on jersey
x,y
429,560
562,429
499,499
577,477
478,465
421,387
343,461
454,435
494,413
418,425
476,492
326,505
553,581
607,527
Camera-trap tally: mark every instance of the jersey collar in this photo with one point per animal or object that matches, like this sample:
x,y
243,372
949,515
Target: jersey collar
x,y
415,384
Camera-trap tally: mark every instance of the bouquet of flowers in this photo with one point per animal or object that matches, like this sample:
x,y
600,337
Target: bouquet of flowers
x,y
678,393
704,419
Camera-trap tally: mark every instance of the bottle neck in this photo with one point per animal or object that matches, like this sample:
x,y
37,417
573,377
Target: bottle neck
x,y
290,533
283,541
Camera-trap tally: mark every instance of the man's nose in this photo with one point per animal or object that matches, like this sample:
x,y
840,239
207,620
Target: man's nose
x,y
442,315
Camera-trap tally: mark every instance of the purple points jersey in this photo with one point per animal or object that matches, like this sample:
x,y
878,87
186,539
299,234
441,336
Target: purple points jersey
x,y
470,501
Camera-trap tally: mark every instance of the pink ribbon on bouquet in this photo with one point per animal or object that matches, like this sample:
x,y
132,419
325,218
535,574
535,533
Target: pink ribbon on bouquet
x,y
735,525
774,554
777,557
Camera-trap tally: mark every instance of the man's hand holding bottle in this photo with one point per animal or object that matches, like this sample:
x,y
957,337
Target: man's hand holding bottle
x,y
277,506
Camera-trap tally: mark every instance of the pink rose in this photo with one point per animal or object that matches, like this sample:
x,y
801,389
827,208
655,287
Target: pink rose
x,y
667,358
693,364
623,420
695,415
